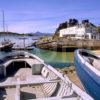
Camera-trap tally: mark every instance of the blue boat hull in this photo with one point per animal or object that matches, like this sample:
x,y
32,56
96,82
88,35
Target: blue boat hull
x,y
90,80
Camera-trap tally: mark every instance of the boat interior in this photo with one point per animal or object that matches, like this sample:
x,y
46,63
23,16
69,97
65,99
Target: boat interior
x,y
26,78
91,59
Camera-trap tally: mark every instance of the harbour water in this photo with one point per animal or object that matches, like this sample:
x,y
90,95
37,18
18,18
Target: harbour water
x,y
56,59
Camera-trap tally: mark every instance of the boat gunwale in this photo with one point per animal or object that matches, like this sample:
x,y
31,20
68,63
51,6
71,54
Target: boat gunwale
x,y
81,59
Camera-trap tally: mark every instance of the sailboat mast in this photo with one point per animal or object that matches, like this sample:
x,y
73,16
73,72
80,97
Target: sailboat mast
x,y
3,21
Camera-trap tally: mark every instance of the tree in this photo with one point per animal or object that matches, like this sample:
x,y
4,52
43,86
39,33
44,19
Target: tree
x,y
98,28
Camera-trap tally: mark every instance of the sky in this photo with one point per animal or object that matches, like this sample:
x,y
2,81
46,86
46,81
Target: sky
x,y
25,16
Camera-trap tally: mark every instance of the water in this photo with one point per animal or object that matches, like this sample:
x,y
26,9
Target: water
x,y
56,59
17,40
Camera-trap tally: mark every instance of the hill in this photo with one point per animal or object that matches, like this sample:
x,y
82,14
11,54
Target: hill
x,y
39,34
26,34
8,33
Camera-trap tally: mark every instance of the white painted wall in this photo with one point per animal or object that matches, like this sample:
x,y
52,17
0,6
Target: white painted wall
x,y
79,32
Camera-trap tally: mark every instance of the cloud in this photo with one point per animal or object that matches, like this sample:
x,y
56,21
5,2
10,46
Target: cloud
x,y
31,21
24,27
47,20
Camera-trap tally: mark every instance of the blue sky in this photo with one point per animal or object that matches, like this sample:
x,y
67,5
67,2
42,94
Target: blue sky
x,y
45,15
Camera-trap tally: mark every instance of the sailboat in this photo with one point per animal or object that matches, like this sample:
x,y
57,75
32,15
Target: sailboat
x,y
6,44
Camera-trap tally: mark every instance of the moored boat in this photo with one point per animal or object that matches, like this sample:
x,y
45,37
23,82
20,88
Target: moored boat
x,y
23,48
25,76
6,45
88,69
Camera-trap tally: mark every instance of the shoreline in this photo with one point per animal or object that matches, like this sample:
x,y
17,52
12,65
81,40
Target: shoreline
x,y
68,45
96,51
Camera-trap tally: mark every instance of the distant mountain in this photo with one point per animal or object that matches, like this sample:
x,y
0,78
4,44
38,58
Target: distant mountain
x,y
8,33
40,34
27,34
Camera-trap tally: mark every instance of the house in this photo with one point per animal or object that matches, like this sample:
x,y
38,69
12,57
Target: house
x,y
76,30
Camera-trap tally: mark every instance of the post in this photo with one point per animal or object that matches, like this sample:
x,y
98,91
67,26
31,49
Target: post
x,y
17,94
5,71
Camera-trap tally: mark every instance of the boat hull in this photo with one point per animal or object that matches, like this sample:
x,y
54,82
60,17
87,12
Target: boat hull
x,y
7,47
88,78
22,48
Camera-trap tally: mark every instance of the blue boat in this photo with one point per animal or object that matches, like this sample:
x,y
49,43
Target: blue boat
x,y
88,70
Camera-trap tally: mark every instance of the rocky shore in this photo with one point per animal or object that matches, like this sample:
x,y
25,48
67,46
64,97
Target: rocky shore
x,y
64,44
70,35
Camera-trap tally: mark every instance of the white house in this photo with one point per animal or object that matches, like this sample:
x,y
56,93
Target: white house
x,y
80,31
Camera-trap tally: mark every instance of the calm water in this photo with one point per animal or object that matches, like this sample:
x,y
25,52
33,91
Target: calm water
x,y
56,59
17,40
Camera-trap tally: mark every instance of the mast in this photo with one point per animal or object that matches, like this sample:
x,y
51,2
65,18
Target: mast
x,y
3,17
3,21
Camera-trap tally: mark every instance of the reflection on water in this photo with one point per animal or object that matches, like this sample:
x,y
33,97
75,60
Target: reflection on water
x,y
57,59
53,56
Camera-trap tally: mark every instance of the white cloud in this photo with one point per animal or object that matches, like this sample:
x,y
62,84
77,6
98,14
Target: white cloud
x,y
32,21
24,27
